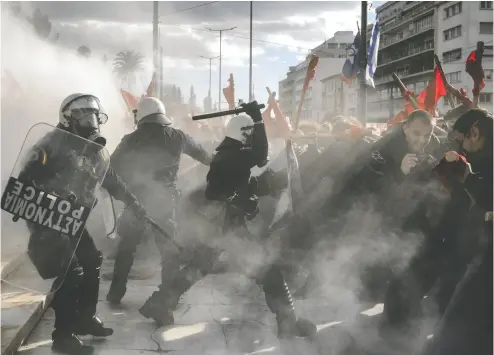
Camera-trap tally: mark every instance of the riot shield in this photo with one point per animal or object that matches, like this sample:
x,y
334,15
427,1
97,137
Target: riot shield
x,y
45,205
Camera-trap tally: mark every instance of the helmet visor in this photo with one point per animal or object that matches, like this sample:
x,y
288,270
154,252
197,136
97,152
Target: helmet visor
x,y
85,107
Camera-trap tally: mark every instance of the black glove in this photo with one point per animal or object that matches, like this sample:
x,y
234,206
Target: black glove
x,y
253,110
138,209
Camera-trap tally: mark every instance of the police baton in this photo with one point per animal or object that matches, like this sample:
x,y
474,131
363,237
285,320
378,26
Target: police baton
x,y
162,231
236,111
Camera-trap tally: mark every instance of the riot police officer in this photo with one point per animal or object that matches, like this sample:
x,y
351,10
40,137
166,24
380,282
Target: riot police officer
x,y
229,181
77,284
148,160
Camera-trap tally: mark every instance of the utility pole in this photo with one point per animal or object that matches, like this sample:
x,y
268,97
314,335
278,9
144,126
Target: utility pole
x,y
160,85
155,43
363,65
250,57
219,89
209,91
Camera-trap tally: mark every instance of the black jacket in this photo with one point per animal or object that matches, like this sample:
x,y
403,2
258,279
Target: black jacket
x,y
230,168
151,154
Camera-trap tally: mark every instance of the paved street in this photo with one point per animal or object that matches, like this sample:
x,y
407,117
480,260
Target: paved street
x,y
222,314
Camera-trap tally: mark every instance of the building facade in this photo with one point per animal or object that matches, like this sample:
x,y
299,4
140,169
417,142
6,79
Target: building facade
x,y
332,55
406,48
460,25
340,98
411,33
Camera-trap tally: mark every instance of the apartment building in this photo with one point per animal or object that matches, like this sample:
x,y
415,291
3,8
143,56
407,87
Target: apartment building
x,y
332,55
460,25
406,48
338,97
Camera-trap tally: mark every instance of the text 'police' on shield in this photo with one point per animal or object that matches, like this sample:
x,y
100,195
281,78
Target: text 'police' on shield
x,y
48,210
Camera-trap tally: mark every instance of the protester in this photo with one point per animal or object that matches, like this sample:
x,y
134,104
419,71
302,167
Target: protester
x,y
466,327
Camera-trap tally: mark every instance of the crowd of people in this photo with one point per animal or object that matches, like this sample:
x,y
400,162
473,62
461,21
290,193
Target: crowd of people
x,y
418,206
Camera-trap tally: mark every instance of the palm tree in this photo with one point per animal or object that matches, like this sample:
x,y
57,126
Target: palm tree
x,y
126,64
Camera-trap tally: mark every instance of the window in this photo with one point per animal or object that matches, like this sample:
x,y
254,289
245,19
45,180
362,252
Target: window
x,y
485,97
453,33
351,112
485,28
452,10
487,51
486,5
453,55
454,77
488,74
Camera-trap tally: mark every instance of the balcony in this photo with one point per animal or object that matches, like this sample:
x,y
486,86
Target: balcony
x,y
407,16
429,46
408,35
402,75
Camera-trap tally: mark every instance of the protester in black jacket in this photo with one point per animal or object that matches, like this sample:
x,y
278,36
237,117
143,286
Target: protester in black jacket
x,y
148,160
77,284
466,327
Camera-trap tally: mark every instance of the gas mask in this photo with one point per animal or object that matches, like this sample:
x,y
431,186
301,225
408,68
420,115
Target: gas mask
x,y
85,115
247,136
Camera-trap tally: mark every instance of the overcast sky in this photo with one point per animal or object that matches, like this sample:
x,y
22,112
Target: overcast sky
x,y
283,33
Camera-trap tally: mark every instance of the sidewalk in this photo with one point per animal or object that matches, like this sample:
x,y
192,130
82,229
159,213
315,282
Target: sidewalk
x,y
222,314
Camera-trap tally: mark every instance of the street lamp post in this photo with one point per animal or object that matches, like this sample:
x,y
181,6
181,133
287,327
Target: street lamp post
x,y
219,89
210,59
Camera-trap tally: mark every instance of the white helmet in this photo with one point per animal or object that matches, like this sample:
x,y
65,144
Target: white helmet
x,y
152,110
76,102
240,128
83,115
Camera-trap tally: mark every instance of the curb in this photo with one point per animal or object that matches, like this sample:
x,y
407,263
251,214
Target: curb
x,y
12,266
11,346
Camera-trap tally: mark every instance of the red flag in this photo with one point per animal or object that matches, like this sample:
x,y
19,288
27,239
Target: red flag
x,y
430,96
400,117
311,71
474,68
229,93
279,127
130,100
149,91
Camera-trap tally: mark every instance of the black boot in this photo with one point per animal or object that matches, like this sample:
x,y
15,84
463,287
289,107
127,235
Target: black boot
x,y
162,303
157,309
93,326
279,301
69,344
123,264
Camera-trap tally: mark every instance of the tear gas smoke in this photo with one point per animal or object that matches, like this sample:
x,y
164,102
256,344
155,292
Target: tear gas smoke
x,y
36,76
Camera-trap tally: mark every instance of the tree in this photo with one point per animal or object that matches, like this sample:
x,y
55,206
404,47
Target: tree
x,y
41,24
84,51
127,64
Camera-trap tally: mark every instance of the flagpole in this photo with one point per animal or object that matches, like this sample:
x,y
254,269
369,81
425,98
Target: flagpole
x,y
160,85
363,65
155,41
250,59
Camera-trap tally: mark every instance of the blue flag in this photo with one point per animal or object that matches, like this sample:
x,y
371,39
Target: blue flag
x,y
351,67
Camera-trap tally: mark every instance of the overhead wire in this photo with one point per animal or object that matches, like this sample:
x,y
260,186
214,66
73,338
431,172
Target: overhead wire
x,y
236,36
189,8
